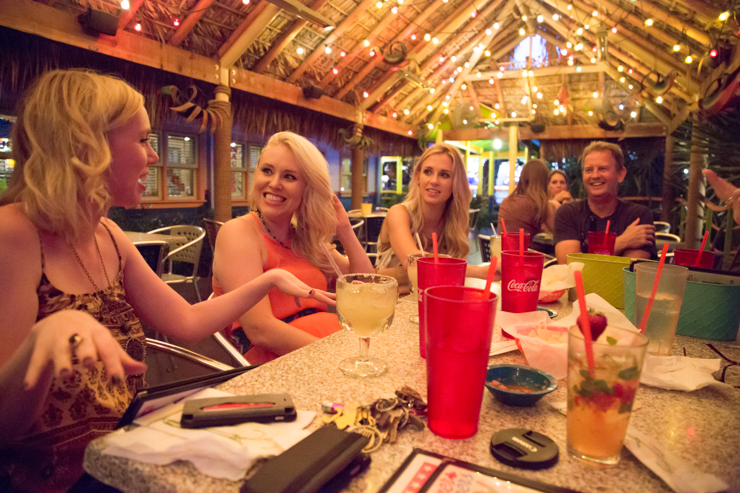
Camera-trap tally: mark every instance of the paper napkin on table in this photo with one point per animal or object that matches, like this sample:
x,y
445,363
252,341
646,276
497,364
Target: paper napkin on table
x,y
221,452
559,278
679,474
680,372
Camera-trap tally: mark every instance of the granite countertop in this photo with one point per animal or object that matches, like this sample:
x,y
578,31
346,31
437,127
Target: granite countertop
x,y
698,426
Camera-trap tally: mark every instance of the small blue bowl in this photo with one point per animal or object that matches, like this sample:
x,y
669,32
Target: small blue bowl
x,y
519,375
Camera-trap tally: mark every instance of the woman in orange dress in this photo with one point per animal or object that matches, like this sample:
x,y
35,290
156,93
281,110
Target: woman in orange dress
x,y
295,215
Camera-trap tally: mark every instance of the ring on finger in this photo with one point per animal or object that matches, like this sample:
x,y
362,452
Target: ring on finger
x,y
310,293
75,340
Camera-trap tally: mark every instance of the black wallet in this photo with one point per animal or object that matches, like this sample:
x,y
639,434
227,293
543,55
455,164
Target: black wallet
x,y
309,464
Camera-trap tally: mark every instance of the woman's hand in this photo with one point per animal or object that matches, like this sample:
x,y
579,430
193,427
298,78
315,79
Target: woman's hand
x,y
69,333
725,191
342,217
291,285
563,197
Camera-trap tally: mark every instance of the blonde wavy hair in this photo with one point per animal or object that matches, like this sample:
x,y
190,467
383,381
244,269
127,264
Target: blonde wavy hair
x,y
61,151
453,239
314,220
533,183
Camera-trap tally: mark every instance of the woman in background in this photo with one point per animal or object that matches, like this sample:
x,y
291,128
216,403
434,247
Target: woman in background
x,y
528,207
557,187
291,184
438,202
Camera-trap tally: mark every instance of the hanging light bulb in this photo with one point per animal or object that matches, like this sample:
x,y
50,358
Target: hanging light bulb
x,y
622,80
570,7
394,10
327,50
530,73
522,32
432,90
724,16
443,81
372,53
513,114
467,64
659,99
590,113
335,71
593,60
473,14
586,27
556,111
564,52
496,25
578,68
430,126
570,61
366,42
379,5
540,18
579,46
633,114
596,94
299,50
406,111
445,104
125,5
175,22
490,81
446,111
614,29
435,41
677,47
470,107
539,95
245,2
689,59
569,44
497,106
524,18
487,53
556,102
534,112
465,122
630,86
137,27
524,99
459,69
621,106
453,58
534,105
410,132
365,94
579,31
427,37
620,68
488,31
341,53
534,88
464,86
555,17
395,115
413,37
595,13
649,22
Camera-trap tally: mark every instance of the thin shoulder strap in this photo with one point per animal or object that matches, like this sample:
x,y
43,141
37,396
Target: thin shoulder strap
x,y
41,244
118,252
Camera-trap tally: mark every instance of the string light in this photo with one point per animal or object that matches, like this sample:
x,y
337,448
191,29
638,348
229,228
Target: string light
x,y
496,25
445,104
555,17
579,31
689,59
586,27
630,86
534,105
659,99
341,53
432,90
564,52
500,75
394,10
410,132
524,73
175,22
534,88
621,106
366,42
593,60
245,2
649,22
335,71
365,94
490,81
435,41
488,32
620,68
431,127
464,86
453,58
513,114
570,61
467,64
427,37
570,7
470,107
372,53
524,18
495,122
596,94
497,106
379,5
478,74
487,53
578,68
622,80
413,37
446,111
556,102
633,114
522,32
569,44
590,113
594,13
395,115
299,50
556,111
724,16
406,111
677,47
539,95
327,50
534,112
137,27
125,5
465,122
579,46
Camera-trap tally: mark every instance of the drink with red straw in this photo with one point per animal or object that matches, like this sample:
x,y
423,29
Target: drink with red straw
x,y
603,377
602,243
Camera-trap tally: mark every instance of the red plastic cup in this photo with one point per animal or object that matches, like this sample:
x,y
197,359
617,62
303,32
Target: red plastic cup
x,y
460,325
444,272
510,241
520,281
601,243
687,256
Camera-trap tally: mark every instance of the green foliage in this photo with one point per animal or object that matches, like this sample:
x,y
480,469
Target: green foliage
x,y
388,200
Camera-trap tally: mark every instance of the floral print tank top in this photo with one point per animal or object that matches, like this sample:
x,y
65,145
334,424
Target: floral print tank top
x,y
78,410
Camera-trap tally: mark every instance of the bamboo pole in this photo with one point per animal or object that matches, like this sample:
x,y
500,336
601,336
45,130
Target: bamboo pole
x,y
695,209
222,158
668,191
358,181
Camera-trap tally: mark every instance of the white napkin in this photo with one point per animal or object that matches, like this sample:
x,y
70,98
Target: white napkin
x,y
541,340
221,452
680,372
559,277
680,475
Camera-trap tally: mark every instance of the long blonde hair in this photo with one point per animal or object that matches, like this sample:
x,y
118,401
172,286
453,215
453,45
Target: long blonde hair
x,y
533,183
453,239
315,217
61,150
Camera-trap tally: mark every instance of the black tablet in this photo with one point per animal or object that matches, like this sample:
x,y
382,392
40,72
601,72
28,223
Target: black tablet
x,y
153,398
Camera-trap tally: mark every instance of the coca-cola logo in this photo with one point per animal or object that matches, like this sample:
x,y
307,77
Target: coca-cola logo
x,y
524,287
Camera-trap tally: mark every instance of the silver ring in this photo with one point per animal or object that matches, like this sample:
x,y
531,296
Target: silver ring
x,y
728,202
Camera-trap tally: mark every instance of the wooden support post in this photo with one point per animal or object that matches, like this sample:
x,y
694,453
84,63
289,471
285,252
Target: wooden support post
x,y
491,168
669,194
222,158
358,181
695,209
440,138
513,151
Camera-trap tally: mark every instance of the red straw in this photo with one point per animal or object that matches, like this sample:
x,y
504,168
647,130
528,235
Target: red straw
x,y
701,249
646,314
491,275
608,223
503,226
521,245
585,324
436,250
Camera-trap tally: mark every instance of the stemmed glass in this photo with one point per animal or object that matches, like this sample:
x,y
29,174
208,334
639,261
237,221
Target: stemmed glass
x,y
365,305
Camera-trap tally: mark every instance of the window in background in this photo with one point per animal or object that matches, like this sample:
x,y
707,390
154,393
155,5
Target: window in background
x,y
182,161
346,184
238,171
154,177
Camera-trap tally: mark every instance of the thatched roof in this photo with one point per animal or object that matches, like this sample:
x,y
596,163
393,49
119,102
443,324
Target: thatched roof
x,y
646,41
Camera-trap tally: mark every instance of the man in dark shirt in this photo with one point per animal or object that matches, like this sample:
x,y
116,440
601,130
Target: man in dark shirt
x,y
603,171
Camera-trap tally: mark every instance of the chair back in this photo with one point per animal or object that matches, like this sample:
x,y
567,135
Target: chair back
x,y
473,216
357,227
189,252
154,253
662,227
373,224
485,248
212,227
667,236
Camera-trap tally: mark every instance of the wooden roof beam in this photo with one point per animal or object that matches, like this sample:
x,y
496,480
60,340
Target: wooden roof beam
x,y
285,38
659,14
559,132
397,76
387,97
706,11
343,26
544,71
188,23
246,33
626,16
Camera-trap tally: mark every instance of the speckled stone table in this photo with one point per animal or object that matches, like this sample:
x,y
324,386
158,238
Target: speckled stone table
x,y
703,427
